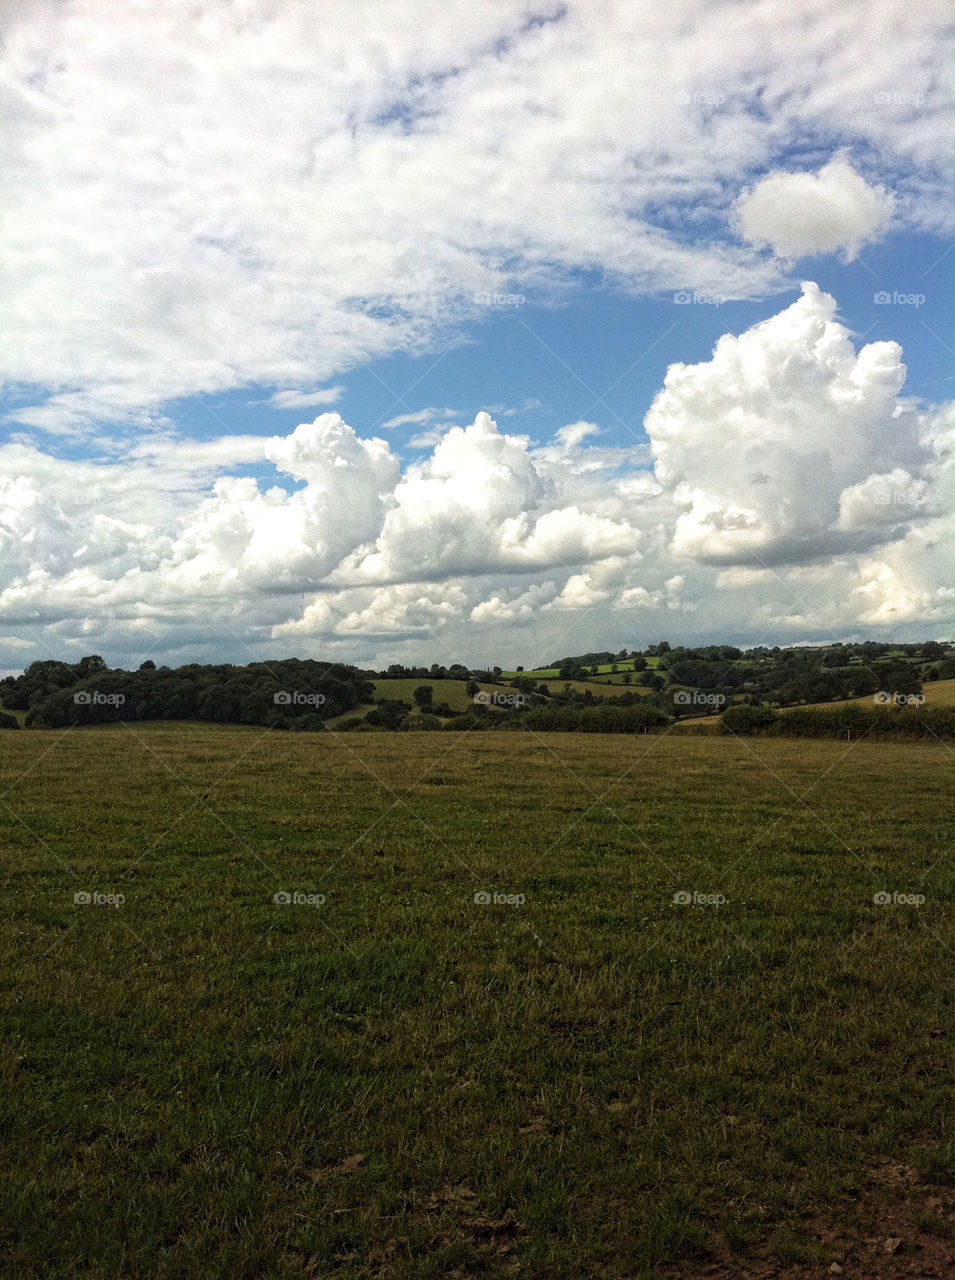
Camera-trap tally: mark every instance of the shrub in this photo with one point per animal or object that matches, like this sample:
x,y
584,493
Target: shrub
x,y
746,720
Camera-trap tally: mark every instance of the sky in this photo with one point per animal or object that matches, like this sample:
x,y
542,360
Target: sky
x,y
414,331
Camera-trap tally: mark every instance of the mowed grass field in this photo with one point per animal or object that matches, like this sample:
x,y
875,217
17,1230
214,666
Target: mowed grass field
x,y
571,1075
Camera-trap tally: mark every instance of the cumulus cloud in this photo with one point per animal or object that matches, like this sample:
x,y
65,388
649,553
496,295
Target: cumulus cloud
x,y
801,214
242,538
779,447
478,503
403,611
522,607
793,488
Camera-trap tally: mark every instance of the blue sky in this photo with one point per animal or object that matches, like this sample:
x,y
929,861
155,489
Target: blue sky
x,y
551,261
599,354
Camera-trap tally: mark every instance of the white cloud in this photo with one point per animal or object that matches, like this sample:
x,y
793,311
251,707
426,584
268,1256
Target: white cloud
x,y
774,446
394,612
306,399
522,607
571,435
801,214
197,199
476,505
422,415
794,490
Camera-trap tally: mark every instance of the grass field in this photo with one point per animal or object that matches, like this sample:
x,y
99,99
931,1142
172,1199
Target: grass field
x,y
603,668
583,1077
937,693
599,688
453,692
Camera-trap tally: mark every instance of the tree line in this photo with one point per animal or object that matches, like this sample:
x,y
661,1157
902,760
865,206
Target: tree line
x,y
292,693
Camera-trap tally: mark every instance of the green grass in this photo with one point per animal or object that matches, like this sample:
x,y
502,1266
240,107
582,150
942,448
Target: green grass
x,y
402,1082
599,688
603,668
937,693
453,692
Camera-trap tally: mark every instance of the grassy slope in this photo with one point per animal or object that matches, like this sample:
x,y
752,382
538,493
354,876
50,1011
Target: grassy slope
x,y
938,693
202,1083
453,692
550,673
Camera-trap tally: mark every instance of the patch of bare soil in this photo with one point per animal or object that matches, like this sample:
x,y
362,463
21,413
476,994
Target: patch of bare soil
x,y
895,1227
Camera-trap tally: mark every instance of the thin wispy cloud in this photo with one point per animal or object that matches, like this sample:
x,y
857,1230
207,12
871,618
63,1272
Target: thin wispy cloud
x,y
306,399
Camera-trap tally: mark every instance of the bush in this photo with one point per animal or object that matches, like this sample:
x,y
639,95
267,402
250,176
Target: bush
x,y
421,720
743,719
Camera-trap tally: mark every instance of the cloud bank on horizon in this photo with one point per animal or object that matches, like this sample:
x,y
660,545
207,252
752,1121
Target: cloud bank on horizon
x,y
228,197
788,468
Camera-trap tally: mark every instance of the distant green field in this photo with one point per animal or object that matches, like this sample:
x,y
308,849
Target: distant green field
x,y
488,1036
356,713
551,673
937,693
598,689
453,692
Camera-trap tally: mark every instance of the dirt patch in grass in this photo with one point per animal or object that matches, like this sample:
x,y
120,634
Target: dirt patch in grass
x,y
897,1225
